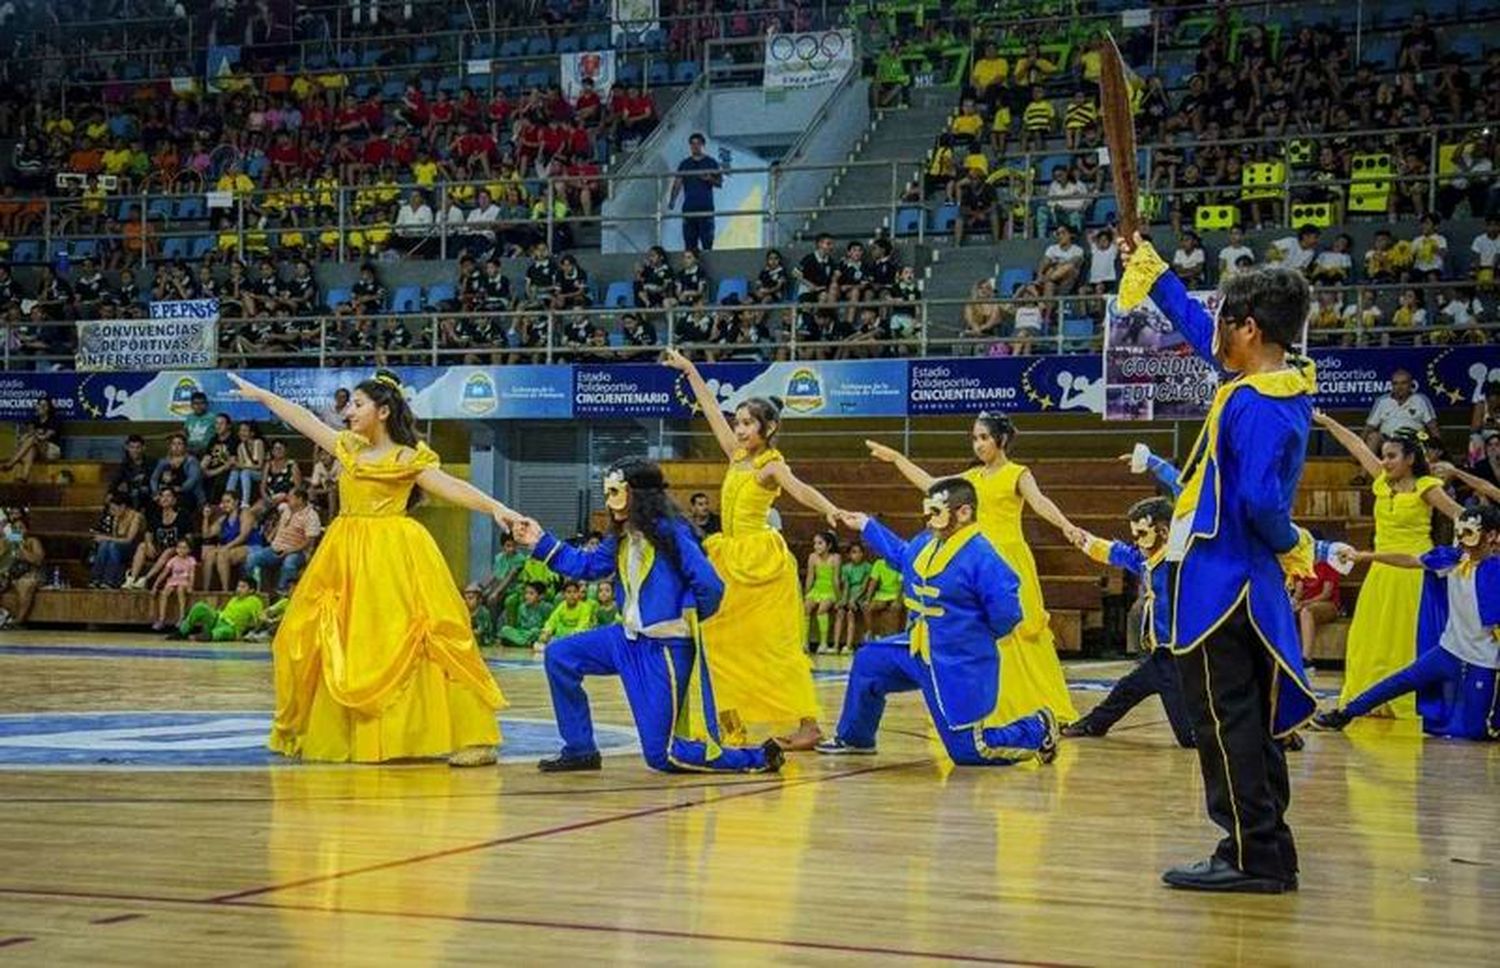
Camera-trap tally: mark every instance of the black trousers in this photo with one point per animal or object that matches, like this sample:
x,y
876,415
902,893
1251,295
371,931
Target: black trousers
x,y
1227,683
1155,675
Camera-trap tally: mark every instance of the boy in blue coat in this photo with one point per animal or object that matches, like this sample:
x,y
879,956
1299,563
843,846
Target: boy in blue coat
x,y
1454,675
1230,549
1155,675
961,599
664,584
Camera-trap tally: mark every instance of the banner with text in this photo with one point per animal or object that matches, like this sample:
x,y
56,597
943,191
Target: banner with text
x,y
1348,379
179,333
808,60
1150,370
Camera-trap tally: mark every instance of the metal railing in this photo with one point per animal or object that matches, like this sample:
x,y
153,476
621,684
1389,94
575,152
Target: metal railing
x,y
538,333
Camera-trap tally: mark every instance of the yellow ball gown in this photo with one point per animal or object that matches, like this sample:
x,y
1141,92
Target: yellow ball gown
x,y
1383,633
1030,674
754,643
375,659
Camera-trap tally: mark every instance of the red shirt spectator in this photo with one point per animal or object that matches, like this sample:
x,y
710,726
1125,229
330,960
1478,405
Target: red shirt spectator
x,y
554,139
1324,576
284,154
351,119
558,106
414,106
499,109
316,116
441,112
580,145
403,150
469,108
377,152
473,144
373,111
588,108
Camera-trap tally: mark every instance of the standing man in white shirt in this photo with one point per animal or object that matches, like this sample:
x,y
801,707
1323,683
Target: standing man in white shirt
x,y
1401,409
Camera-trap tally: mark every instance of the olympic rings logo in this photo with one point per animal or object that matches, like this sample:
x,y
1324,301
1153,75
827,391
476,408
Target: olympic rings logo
x,y
816,52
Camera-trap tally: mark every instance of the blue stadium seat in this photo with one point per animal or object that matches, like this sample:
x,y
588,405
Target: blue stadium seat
x,y
392,90
537,79
515,47
1468,46
619,295
159,208
425,54
200,246
175,247
944,219
337,296
428,86
345,58
317,60
191,207
406,299
603,40
1077,333
509,83
628,74
1048,162
908,221
539,46
362,89
1382,50
733,286
451,83
439,293
121,125
26,251
83,249
123,208
1013,279
133,72
1104,209
568,45
371,56
654,39
482,49
685,72
659,74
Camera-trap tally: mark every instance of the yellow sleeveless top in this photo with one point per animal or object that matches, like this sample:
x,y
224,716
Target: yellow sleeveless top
x,y
744,502
1000,504
1403,521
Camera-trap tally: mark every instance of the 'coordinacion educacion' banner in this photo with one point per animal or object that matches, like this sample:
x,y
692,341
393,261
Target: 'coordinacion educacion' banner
x,y
1347,378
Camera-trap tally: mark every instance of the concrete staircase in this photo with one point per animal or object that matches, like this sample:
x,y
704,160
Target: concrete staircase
x,y
897,134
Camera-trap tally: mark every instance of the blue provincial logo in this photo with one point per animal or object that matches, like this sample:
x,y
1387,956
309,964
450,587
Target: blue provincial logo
x,y
177,740
479,396
804,390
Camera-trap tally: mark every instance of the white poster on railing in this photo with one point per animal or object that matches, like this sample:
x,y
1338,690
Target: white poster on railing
x,y
808,60
181,334
592,65
629,20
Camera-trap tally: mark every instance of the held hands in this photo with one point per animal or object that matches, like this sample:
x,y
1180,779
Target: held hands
x,y
1444,470
853,520
881,452
1080,539
526,531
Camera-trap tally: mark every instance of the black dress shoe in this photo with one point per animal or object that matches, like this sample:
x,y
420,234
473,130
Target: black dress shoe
x,y
1333,720
1216,874
1292,742
775,755
1081,729
571,764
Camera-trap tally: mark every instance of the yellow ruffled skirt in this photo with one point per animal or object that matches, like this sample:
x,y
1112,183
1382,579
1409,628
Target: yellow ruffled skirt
x,y
1383,635
1031,675
760,671
375,659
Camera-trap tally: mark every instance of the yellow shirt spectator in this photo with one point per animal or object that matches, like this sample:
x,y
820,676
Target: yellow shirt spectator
x,y
988,71
1080,115
303,86
425,173
235,181
1091,63
1039,116
1002,119
58,126
96,130
968,125
117,160
976,161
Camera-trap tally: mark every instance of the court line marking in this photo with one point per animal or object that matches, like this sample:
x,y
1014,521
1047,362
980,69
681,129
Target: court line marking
x,y
769,786
117,918
580,926
14,940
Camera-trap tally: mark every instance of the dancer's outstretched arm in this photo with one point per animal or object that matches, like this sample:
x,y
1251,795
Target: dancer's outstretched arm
x,y
910,471
1478,484
706,400
801,492
1351,441
439,483
294,415
1392,558
1043,505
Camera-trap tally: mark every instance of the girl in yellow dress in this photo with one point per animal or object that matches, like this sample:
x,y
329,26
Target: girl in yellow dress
x,y
375,659
754,643
1383,633
1030,674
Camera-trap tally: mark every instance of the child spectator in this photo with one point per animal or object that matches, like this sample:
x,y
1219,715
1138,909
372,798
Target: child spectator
x,y
1332,267
883,608
854,581
1429,251
481,623
175,580
1061,264
242,614
531,614
570,616
606,612
1189,261
1038,121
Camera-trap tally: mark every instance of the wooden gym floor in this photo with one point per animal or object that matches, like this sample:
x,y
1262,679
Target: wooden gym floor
x,y
895,859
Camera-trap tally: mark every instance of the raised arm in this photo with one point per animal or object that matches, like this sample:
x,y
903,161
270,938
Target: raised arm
x,y
706,400
1042,504
1141,460
910,471
1392,558
803,493
439,483
1351,442
296,416
1477,484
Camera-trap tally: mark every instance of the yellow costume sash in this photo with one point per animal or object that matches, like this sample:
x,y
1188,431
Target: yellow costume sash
x,y
929,563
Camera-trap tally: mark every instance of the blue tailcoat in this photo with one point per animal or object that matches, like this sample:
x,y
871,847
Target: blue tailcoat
x,y
1469,708
971,602
665,593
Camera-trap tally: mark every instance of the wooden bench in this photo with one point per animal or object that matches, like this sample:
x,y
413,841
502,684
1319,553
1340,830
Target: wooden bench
x,y
1330,641
109,608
